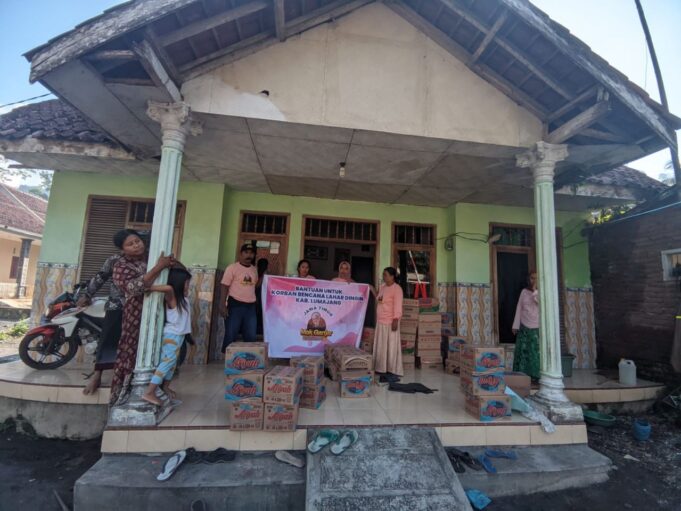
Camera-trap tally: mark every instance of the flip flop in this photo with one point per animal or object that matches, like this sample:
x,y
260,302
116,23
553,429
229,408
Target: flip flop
x,y
478,499
321,439
498,453
291,459
347,440
466,457
456,463
487,464
219,455
172,465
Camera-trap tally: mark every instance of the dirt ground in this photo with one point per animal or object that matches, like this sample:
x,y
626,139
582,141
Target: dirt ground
x,y
32,468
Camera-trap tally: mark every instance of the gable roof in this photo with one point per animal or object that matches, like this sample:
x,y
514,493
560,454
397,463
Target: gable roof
x,y
510,43
628,177
21,211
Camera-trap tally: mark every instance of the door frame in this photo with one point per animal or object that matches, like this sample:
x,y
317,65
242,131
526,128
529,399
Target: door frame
x,y
377,252
282,238
532,262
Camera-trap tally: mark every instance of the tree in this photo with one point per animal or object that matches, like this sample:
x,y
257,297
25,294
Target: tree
x,y
8,172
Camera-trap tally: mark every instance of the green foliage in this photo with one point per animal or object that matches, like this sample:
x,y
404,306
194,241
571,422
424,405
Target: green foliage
x,y
610,213
18,329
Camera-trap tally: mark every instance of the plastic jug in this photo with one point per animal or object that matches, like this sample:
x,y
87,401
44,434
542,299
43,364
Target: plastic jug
x,y
627,372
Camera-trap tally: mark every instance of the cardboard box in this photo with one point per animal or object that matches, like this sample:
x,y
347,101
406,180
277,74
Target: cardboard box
x,y
410,314
520,383
456,343
408,337
408,326
246,414
489,408
244,385
283,385
368,347
312,397
428,362
280,417
410,302
313,368
430,329
426,352
334,372
435,340
489,384
431,317
350,358
451,366
482,360
244,357
355,384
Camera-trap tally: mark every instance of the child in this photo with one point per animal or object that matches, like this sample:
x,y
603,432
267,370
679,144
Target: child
x,y
177,324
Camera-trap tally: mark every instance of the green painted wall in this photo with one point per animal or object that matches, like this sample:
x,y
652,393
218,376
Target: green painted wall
x,y
235,202
472,258
68,202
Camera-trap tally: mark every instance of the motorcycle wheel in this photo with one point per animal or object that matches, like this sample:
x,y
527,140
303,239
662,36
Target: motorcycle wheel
x,y
33,350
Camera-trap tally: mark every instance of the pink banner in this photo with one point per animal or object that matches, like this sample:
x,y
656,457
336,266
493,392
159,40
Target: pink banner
x,y
301,316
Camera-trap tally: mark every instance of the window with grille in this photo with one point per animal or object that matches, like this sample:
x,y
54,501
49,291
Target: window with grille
x,y
340,230
108,215
256,223
514,236
407,234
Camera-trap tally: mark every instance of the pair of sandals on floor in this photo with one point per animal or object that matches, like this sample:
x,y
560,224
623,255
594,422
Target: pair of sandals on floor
x,y
457,457
339,442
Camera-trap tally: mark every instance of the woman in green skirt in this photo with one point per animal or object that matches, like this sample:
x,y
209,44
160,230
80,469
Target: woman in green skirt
x,y
526,328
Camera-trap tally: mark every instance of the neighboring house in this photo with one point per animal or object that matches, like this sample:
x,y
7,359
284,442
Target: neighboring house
x,y
345,129
636,277
22,218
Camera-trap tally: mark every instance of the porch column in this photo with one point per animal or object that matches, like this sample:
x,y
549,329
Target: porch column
x,y
22,270
551,397
176,124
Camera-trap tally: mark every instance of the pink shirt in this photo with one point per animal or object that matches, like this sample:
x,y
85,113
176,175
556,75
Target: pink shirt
x,y
241,281
340,279
389,303
527,312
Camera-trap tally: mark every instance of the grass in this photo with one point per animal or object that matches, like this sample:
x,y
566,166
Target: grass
x,y
18,329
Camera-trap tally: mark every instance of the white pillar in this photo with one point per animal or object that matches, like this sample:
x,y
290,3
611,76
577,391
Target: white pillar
x,y
551,397
176,124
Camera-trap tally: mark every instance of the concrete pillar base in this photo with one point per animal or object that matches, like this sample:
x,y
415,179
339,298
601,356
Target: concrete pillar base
x,y
136,412
553,402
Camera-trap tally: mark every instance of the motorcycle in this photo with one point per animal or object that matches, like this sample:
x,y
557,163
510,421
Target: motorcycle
x,y
64,327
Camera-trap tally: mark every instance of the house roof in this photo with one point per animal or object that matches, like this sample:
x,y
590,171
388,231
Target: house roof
x,y
510,43
21,211
50,120
627,177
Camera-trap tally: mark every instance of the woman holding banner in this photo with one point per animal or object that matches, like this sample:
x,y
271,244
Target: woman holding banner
x,y
303,268
387,345
344,273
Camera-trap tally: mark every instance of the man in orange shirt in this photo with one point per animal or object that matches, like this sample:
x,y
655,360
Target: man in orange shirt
x,y
237,299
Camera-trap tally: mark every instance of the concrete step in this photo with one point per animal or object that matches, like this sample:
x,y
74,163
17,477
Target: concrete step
x,y
539,469
388,468
252,482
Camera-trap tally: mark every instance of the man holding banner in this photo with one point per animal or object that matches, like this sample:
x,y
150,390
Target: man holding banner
x,y
302,316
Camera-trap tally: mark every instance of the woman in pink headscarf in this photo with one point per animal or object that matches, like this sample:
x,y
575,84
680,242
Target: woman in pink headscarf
x,y
344,273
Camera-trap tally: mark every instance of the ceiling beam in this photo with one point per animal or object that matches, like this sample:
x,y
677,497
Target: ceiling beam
x,y
214,21
464,56
454,6
111,55
591,91
489,37
163,55
603,135
280,20
575,125
156,70
262,40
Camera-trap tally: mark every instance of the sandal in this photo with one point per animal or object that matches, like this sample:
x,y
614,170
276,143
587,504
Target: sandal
x,y
498,453
347,440
487,464
291,459
467,459
456,463
321,439
172,465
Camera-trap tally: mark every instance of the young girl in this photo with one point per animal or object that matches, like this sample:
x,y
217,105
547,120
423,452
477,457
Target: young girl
x,y
177,324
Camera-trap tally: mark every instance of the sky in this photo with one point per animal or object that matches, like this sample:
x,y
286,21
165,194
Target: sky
x,y
610,27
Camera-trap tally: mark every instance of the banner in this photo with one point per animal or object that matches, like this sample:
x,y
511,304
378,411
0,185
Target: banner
x,y
301,316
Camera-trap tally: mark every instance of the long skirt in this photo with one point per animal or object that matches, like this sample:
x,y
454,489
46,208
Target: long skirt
x,y
387,350
526,354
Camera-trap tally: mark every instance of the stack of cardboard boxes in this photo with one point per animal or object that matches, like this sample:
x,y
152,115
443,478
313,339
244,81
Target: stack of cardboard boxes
x,y
429,340
367,342
281,394
245,366
482,380
314,389
408,328
351,368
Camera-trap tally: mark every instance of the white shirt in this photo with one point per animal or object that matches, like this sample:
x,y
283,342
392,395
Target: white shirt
x,y
178,321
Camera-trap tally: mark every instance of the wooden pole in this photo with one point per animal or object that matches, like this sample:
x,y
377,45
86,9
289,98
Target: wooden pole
x,y
663,94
